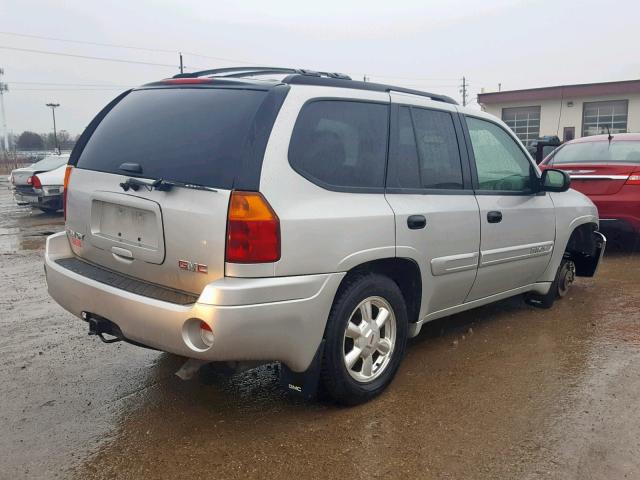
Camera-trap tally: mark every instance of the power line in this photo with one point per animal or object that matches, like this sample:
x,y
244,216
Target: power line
x,y
106,85
89,57
129,47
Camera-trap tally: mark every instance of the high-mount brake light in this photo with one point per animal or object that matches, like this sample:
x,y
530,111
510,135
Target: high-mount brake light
x,y
186,81
34,181
253,229
634,179
67,177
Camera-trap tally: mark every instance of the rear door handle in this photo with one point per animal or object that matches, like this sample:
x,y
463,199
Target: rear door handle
x,y
494,217
416,222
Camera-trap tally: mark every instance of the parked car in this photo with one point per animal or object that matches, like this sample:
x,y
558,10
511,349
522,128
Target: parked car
x,y
312,220
44,191
21,178
606,168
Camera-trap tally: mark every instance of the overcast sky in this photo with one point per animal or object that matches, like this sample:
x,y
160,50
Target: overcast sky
x,y
422,44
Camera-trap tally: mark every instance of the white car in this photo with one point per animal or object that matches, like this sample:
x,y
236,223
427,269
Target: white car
x,y
21,178
43,190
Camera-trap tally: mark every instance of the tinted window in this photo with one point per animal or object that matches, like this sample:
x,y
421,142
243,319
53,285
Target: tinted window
x,y
197,135
500,163
584,152
341,143
425,152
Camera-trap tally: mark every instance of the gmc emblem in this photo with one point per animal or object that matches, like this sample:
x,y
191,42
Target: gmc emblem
x,y
192,267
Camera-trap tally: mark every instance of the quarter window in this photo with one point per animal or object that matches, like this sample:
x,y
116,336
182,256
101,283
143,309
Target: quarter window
x,y
425,153
500,163
341,144
597,116
523,121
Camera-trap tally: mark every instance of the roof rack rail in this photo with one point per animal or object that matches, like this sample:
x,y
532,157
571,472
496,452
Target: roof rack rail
x,y
237,72
302,76
294,79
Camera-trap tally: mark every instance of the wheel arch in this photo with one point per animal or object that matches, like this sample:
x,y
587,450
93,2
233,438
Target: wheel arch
x,y
405,272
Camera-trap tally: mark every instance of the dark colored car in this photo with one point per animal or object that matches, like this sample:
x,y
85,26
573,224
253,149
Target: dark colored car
x,y
606,168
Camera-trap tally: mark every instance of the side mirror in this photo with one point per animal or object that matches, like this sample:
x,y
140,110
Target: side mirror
x,y
554,180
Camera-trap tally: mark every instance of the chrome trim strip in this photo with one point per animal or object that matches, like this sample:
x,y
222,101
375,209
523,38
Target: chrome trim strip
x,y
600,177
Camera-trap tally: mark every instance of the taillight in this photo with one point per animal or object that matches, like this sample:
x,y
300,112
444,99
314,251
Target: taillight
x,y
634,179
34,181
253,230
65,186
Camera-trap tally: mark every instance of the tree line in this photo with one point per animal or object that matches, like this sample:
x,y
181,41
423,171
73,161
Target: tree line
x,y
28,140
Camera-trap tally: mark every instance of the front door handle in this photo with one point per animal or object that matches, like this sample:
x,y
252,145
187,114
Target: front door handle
x,y
416,222
494,217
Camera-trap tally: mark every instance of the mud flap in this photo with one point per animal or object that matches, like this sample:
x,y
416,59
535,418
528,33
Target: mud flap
x,y
303,384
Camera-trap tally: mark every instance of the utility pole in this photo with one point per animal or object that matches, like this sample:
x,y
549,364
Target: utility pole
x,y
463,90
181,65
4,88
55,134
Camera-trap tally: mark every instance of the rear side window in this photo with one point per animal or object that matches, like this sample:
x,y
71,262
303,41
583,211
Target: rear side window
x,y
341,144
197,136
425,151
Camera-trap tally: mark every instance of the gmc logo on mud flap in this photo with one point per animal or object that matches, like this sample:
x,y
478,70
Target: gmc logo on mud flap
x,y
295,388
192,267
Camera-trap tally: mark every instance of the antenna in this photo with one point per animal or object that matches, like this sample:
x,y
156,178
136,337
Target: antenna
x,y
610,137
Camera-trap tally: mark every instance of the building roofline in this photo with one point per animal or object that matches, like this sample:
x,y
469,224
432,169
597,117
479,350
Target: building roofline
x,y
561,91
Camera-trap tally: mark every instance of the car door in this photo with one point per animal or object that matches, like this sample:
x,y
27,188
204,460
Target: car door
x,y
517,222
429,189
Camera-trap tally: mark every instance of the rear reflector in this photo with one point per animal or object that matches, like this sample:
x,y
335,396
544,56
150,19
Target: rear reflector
x,y
206,334
253,230
34,181
67,177
634,179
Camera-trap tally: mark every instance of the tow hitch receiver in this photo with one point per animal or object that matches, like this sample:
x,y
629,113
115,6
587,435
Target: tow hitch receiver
x,y
100,326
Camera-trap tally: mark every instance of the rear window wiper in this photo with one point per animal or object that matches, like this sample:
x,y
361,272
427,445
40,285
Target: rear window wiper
x,y
159,184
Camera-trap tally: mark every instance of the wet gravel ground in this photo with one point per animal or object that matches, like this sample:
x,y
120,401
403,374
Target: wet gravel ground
x,y
503,391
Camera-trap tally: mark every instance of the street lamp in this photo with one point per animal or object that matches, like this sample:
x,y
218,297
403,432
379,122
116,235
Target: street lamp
x,y
55,135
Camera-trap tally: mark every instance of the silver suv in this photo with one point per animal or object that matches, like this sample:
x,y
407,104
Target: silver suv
x,y
309,219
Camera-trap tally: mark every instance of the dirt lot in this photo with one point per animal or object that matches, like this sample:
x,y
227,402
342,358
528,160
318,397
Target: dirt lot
x,y
504,391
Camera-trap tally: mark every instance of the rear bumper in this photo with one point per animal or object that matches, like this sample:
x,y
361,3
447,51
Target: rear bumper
x,y
620,211
38,200
262,319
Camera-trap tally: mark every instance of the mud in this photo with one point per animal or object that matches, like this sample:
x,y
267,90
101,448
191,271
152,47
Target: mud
x,y
503,391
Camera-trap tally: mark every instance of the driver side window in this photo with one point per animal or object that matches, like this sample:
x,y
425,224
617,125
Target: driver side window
x,y
500,163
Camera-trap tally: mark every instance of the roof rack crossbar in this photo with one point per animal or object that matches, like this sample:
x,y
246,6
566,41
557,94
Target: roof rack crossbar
x,y
237,71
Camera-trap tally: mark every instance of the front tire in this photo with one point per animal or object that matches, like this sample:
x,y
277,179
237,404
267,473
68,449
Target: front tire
x,y
365,339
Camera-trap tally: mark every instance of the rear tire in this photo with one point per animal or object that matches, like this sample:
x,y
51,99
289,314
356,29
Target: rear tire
x,y
367,329
559,288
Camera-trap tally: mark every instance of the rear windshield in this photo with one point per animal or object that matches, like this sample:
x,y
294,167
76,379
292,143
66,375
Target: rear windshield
x,y
49,163
593,152
189,135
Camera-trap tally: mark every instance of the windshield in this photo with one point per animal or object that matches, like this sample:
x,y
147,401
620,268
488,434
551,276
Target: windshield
x,y
190,135
49,163
598,152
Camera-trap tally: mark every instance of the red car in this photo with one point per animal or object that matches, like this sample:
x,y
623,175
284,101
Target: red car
x,y
607,170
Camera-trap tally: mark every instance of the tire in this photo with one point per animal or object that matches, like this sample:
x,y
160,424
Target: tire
x,y
559,288
349,386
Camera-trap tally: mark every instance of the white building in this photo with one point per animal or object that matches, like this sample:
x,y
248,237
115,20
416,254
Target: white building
x,y
568,111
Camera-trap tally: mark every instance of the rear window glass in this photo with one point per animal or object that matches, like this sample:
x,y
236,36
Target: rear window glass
x,y
341,144
197,136
617,151
49,163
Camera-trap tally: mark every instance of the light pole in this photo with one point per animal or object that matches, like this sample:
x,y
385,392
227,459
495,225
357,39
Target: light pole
x,y
55,135
4,88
